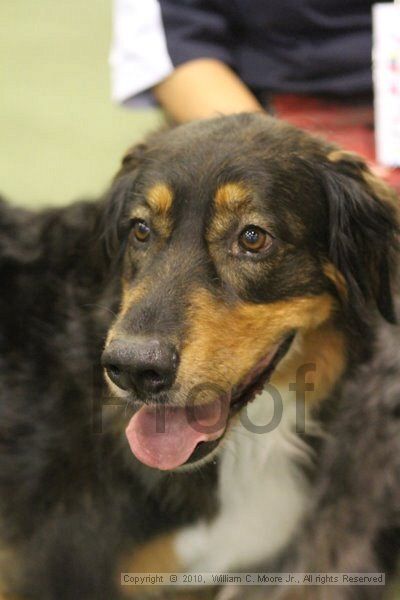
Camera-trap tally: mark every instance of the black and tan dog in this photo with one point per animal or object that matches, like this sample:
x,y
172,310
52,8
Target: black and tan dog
x,y
234,287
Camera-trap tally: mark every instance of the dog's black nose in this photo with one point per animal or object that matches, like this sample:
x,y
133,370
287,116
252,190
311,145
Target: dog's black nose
x,y
148,365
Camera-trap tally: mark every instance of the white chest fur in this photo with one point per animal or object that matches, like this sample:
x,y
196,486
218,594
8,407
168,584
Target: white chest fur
x,y
263,494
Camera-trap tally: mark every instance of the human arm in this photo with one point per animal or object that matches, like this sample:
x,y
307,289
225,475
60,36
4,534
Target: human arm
x,y
204,88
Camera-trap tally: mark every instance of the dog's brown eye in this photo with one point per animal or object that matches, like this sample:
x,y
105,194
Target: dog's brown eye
x,y
253,239
140,230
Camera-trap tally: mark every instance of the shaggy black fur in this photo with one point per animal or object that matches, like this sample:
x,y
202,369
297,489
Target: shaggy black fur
x,y
73,500
70,503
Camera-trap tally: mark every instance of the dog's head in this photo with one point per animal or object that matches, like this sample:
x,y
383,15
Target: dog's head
x,y
247,248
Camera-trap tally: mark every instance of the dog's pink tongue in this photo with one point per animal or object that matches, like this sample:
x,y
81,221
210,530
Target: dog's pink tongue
x,y
164,438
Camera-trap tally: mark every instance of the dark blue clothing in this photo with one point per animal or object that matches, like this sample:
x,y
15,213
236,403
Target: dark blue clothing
x,y
300,46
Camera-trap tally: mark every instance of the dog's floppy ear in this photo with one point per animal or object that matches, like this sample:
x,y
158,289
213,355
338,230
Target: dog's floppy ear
x,y
132,159
115,217
364,230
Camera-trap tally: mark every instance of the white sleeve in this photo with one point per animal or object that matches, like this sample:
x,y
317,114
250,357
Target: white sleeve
x,y
139,57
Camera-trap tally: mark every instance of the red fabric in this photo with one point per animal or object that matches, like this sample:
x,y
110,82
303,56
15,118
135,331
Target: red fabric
x,y
350,126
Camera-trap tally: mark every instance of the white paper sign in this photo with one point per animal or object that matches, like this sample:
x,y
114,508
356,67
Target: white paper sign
x,y
386,74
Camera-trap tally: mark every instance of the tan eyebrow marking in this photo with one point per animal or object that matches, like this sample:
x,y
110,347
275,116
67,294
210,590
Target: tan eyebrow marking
x,y
230,199
231,195
160,198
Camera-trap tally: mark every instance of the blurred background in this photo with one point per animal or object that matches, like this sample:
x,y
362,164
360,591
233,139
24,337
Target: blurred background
x,y
60,136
